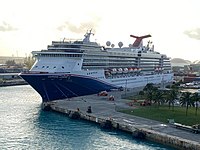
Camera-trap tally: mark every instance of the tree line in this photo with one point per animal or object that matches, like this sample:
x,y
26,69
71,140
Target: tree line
x,y
28,62
171,96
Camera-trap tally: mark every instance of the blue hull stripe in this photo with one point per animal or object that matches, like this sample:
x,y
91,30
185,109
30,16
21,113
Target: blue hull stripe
x,y
65,86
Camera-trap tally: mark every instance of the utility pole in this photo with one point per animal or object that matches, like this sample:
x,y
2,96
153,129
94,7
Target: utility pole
x,y
126,87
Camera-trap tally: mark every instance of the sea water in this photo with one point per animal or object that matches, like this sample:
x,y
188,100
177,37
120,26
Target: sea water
x,y
23,125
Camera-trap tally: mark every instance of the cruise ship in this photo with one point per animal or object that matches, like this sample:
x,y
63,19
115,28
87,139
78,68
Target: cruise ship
x,y
71,68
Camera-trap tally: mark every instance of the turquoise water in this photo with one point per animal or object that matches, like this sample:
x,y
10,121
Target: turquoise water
x,y
24,125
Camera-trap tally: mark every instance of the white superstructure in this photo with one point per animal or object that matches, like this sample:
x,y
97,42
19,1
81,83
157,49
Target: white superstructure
x,y
132,66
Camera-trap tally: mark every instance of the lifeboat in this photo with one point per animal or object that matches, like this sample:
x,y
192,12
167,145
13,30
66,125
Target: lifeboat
x,y
119,70
125,70
107,72
130,69
113,71
135,70
156,69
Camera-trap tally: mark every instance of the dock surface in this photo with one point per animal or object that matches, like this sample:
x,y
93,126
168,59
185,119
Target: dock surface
x,y
102,108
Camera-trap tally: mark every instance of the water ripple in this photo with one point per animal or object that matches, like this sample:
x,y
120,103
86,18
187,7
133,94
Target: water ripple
x,y
25,126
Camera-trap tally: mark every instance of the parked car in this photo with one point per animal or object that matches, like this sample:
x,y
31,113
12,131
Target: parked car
x,y
103,93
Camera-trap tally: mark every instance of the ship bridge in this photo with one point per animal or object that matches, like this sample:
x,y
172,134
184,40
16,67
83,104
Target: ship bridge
x,y
57,61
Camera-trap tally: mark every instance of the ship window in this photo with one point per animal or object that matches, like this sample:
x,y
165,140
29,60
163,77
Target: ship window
x,y
42,66
78,63
36,66
54,67
63,67
47,66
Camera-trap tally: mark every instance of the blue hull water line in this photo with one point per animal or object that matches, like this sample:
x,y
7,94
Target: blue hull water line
x,y
55,87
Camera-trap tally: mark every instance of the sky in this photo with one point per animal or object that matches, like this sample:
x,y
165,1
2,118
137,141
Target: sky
x,y
31,25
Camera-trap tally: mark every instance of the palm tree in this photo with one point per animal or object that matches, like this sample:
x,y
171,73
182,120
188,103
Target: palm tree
x,y
149,91
195,98
186,100
158,97
169,98
171,95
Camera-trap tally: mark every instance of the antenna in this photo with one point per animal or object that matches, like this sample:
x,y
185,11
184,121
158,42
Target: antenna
x,y
87,36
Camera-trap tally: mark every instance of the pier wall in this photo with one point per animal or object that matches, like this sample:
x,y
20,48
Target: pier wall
x,y
173,141
151,135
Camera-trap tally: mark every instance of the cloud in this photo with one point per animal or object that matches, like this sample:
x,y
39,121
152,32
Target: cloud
x,y
194,33
6,27
82,27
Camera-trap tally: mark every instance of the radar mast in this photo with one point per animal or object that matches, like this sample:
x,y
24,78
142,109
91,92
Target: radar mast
x,y
87,36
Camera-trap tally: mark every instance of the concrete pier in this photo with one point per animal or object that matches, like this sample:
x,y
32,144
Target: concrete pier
x,y
102,110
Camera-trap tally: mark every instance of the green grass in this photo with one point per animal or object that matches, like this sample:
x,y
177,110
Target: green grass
x,y
163,113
